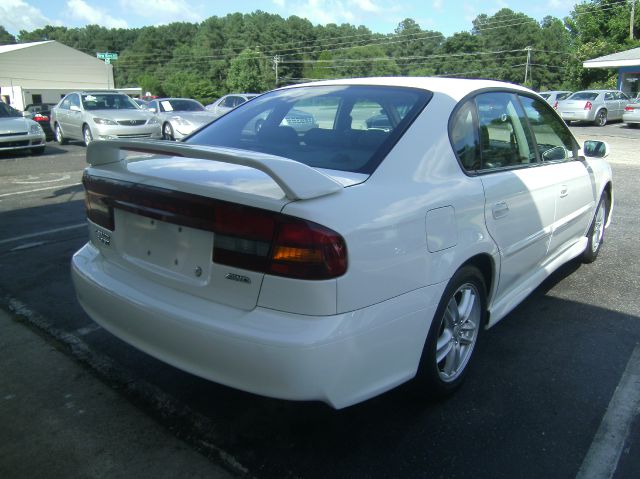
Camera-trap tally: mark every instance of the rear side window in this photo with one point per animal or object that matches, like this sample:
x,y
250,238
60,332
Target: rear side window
x,y
505,140
348,128
464,138
562,96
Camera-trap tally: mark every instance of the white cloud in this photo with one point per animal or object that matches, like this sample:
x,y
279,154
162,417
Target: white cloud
x,y
16,15
437,5
366,6
81,10
164,11
279,3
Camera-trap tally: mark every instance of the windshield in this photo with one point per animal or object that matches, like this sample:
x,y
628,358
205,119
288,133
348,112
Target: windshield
x,y
348,128
180,104
584,95
107,101
6,111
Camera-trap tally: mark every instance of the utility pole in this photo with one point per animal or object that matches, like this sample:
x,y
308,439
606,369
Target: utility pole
x,y
632,21
527,68
276,60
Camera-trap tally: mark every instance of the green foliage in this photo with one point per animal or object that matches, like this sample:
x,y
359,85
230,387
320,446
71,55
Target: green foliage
x,y
235,53
5,37
248,73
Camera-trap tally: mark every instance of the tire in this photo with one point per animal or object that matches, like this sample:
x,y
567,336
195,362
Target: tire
x,y
453,334
86,135
167,132
59,135
37,151
601,118
595,234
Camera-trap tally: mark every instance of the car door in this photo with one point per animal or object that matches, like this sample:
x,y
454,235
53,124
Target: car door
x,y
623,100
62,114
611,104
75,118
574,193
519,196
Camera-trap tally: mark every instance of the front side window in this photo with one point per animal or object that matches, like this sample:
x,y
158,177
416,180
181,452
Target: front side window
x,y
348,128
74,100
552,137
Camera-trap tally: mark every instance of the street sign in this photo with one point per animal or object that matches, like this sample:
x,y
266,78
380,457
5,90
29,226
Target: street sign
x,y
106,56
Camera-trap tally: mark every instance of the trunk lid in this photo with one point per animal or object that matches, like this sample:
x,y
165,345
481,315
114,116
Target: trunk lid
x,y
159,215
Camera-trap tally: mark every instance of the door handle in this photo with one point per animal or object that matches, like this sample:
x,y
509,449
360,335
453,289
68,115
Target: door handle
x,y
500,210
564,191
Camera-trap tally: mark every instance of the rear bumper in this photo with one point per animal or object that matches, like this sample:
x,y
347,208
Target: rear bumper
x,y
579,115
631,117
341,359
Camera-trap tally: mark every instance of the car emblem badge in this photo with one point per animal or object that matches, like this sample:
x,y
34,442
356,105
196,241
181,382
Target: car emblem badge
x,y
103,237
239,278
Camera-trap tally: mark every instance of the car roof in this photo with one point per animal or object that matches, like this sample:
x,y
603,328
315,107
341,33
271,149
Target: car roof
x,y
456,88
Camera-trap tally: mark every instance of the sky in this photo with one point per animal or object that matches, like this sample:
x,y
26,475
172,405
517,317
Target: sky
x,y
381,16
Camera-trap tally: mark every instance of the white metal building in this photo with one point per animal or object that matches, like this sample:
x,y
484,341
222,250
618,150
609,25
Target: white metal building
x,y
43,72
628,65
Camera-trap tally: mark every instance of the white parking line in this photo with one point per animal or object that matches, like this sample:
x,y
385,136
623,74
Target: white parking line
x,y
42,233
602,459
38,189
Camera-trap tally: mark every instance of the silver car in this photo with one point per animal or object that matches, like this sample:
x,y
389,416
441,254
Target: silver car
x,y
89,116
179,117
228,102
594,106
554,96
631,115
18,133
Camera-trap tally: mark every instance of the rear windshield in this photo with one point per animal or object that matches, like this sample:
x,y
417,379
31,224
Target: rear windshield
x,y
348,128
96,101
180,104
584,95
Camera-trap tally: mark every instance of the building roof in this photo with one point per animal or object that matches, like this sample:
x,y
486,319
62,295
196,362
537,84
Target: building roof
x,y
20,46
628,58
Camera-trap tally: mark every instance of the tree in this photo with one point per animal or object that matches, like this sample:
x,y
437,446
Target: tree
x,y
247,73
5,37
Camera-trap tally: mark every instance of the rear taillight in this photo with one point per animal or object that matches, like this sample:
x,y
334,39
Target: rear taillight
x,y
277,244
245,237
555,105
38,117
588,106
628,108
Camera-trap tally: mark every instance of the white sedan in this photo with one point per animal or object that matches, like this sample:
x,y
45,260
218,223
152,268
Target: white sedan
x,y
336,263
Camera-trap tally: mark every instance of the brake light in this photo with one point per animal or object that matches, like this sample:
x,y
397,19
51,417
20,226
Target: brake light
x,y
628,108
39,117
245,237
555,105
588,105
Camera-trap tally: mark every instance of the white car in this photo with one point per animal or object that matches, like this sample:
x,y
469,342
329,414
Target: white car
x,y
337,263
227,103
18,133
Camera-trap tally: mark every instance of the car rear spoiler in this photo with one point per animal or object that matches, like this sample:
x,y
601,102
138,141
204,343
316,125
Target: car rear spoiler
x,y
297,180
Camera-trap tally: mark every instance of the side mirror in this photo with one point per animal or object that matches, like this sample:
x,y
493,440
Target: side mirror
x,y
74,108
596,149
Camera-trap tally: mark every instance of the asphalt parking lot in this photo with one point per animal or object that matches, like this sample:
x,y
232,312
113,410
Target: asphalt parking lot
x,y
544,397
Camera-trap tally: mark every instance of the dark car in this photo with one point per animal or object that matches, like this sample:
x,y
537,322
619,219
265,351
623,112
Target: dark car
x,y
40,113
